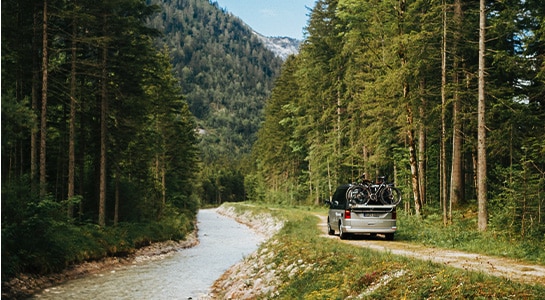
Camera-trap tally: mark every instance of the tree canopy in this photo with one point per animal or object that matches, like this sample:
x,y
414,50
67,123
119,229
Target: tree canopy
x,y
85,86
365,95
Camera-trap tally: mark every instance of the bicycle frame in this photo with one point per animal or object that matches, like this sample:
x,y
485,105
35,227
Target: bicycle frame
x,y
366,191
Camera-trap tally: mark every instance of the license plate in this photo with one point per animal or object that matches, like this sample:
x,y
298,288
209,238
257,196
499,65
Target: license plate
x,y
372,215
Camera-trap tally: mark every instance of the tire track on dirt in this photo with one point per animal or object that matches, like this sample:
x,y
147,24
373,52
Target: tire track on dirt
x,y
496,266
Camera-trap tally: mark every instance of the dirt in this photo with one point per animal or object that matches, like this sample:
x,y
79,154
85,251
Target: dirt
x,y
496,266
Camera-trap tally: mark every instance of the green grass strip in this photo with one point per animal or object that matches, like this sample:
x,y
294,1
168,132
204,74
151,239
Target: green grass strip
x,y
311,266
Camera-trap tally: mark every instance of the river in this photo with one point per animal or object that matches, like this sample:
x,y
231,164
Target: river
x,y
188,273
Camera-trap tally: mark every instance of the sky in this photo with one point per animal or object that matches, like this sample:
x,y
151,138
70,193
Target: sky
x,y
271,17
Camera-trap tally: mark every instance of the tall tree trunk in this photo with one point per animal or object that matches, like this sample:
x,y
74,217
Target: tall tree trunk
x,y
164,180
412,160
103,134
339,119
116,204
481,130
410,122
365,160
329,181
443,158
310,188
72,125
43,119
82,146
422,143
456,178
34,106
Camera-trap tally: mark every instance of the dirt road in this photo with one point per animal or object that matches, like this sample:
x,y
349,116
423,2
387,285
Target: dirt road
x,y
496,266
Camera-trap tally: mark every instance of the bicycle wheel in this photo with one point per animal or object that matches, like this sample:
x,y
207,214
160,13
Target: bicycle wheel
x,y
357,194
390,196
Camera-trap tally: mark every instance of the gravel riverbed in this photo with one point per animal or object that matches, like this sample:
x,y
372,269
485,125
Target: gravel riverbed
x,y
252,277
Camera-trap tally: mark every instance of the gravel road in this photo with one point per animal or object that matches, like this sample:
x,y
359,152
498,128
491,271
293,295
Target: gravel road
x,y
504,267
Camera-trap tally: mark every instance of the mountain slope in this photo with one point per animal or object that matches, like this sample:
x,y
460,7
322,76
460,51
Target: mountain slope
x,y
225,70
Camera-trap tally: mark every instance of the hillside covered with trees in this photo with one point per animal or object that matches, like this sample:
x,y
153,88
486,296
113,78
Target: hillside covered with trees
x,y
119,119
392,88
226,74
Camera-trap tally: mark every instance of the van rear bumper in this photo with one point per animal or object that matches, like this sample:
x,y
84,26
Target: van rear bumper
x,y
369,229
349,229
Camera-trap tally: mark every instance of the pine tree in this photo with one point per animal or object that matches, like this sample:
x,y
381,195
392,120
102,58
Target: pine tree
x,y
481,144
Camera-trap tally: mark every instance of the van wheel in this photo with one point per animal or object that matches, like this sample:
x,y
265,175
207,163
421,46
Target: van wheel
x,y
342,235
330,230
389,236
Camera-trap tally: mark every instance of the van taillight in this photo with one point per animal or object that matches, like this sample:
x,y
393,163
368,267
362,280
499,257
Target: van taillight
x,y
394,214
347,214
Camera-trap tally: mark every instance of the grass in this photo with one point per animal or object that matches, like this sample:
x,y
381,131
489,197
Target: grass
x,y
315,267
462,234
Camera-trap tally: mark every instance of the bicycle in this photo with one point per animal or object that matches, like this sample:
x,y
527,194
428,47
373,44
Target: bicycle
x,y
365,191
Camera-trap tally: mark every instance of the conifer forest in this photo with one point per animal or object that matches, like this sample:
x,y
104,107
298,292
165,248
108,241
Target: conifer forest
x,y
445,98
120,118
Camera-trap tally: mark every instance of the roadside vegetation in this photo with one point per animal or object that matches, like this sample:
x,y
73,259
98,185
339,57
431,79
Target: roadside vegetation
x,y
313,267
462,234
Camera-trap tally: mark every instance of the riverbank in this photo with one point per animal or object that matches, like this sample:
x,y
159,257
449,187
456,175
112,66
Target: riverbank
x,y
252,277
25,285
301,260
297,259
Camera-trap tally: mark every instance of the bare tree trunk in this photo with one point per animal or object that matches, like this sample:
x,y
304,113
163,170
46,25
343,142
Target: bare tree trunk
x,y
410,122
164,180
81,155
456,179
365,160
481,130
34,106
443,158
412,161
72,125
422,143
103,135
310,188
43,119
116,204
339,119
329,181
475,171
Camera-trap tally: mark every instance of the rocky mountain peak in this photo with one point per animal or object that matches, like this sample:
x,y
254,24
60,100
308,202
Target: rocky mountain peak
x,y
281,46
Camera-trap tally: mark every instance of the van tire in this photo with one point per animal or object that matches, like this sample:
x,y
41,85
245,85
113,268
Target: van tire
x,y
330,231
389,236
342,235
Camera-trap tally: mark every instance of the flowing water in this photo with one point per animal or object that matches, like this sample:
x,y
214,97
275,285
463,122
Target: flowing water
x,y
187,274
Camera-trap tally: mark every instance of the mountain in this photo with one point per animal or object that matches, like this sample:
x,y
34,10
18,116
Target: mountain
x,y
281,46
226,72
